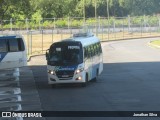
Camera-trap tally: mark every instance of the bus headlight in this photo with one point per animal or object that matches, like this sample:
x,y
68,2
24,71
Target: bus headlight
x,y
79,78
79,70
51,72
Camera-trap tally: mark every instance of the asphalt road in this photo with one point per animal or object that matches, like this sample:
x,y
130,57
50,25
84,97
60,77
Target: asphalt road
x,y
130,82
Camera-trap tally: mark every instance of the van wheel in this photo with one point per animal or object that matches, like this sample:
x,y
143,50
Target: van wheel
x,y
86,81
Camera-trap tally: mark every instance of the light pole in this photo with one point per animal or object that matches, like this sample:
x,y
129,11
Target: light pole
x,y
108,9
84,13
95,3
108,17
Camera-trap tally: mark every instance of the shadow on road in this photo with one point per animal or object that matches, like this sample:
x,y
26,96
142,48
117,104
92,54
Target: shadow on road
x,y
41,78
121,87
136,71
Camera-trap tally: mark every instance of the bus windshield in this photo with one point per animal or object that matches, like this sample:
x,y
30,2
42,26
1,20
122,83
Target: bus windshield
x,y
64,54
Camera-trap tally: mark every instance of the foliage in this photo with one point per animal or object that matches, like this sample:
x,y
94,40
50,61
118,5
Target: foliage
x,y
36,10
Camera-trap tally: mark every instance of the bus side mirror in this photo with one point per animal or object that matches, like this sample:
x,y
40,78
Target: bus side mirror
x,y
47,55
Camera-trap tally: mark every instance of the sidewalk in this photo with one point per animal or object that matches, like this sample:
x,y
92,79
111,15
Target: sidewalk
x,y
19,93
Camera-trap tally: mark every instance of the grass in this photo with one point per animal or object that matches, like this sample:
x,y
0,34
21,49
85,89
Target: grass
x,y
38,44
156,42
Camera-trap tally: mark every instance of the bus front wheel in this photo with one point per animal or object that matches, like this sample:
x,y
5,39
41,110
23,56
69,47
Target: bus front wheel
x,y
86,81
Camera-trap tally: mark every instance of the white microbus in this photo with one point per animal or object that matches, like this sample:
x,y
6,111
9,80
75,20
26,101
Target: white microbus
x,y
12,51
75,60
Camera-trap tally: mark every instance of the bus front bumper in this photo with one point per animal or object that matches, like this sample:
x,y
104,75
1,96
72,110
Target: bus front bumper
x,y
53,79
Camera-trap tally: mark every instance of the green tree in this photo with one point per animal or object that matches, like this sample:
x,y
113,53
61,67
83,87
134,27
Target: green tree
x,y
140,7
4,6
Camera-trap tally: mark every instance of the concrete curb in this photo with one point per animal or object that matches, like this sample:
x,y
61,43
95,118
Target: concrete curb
x,y
29,59
131,38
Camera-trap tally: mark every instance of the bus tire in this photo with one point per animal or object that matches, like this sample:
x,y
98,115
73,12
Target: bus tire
x,y
86,81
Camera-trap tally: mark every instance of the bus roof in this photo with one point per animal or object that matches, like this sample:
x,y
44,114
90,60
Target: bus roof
x,y
9,36
87,40
84,39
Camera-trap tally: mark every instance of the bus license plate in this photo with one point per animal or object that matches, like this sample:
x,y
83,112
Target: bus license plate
x,y
65,76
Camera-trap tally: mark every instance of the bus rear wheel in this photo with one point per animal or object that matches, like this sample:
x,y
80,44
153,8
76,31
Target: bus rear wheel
x,y
95,79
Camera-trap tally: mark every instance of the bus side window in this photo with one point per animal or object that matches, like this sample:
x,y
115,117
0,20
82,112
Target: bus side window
x,y
97,46
20,44
13,45
89,51
85,53
100,48
95,49
3,45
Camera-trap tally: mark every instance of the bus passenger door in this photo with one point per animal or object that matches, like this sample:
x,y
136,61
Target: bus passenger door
x,y
91,64
87,61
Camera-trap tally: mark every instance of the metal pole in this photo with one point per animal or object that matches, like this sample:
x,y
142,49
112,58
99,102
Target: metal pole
x,y
101,31
61,34
52,35
27,24
108,17
99,22
144,19
158,25
70,28
54,23
39,25
84,13
123,27
68,23
11,24
107,9
159,21
95,2
42,41
42,24
114,27
108,29
141,28
31,43
129,23
28,41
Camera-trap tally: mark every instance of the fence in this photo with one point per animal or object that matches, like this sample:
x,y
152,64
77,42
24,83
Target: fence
x,y
40,34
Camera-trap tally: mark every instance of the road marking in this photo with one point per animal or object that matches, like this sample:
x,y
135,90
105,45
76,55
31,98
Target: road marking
x,y
9,95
